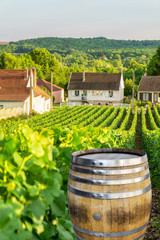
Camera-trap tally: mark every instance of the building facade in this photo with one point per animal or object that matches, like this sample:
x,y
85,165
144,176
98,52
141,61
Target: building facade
x,y
149,89
18,88
95,88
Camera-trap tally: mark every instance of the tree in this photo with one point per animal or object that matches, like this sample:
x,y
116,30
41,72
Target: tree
x,y
128,87
8,61
153,68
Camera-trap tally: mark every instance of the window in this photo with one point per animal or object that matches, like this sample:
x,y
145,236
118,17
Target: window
x,y
93,92
1,106
147,96
144,96
47,106
101,92
155,97
111,93
77,93
97,92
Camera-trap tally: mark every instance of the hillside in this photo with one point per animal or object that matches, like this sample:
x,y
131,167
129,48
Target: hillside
x,y
84,44
77,54
88,45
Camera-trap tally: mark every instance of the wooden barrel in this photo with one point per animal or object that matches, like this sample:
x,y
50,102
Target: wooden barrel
x,y
109,194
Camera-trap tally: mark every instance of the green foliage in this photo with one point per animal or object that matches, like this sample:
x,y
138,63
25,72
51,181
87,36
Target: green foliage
x,y
156,116
118,120
125,123
151,144
45,89
153,67
109,120
68,44
32,203
151,120
128,87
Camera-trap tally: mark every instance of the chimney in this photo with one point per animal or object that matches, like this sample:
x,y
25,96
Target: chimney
x,y
31,91
83,80
34,77
26,74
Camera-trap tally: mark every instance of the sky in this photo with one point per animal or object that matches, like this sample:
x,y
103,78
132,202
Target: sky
x,y
113,19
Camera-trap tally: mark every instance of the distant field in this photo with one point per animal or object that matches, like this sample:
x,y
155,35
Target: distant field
x,y
4,43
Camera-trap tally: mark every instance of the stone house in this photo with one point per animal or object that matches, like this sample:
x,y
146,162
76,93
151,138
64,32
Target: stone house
x,y
95,88
58,92
18,88
149,89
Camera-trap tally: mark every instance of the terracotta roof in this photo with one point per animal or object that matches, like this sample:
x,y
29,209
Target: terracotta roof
x,y
14,94
13,85
149,83
47,85
12,78
38,91
95,81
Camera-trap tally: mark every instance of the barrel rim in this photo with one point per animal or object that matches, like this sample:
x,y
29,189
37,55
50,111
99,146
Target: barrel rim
x,y
109,150
141,157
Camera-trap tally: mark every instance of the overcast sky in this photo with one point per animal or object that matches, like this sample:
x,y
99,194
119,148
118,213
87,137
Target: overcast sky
x,y
118,19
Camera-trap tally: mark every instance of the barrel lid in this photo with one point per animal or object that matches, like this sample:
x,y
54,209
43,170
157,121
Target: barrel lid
x,y
109,157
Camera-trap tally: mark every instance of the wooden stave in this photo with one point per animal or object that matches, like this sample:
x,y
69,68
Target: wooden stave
x,y
146,195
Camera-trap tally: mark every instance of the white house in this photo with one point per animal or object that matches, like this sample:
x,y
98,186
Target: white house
x,y
149,89
95,88
18,88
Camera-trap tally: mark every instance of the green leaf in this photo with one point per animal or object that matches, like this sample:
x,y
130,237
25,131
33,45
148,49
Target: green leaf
x,y
63,234
10,146
3,236
35,209
36,149
49,231
54,152
50,193
59,205
17,158
1,135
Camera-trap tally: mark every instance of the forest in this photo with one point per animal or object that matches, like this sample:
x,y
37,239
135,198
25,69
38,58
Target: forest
x,y
65,55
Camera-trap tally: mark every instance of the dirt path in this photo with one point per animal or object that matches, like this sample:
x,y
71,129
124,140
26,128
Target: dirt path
x,y
138,133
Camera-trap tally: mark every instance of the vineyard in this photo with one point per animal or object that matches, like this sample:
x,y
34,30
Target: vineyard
x,y
35,160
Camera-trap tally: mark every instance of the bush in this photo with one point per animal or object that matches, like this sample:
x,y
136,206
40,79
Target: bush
x,y
142,103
